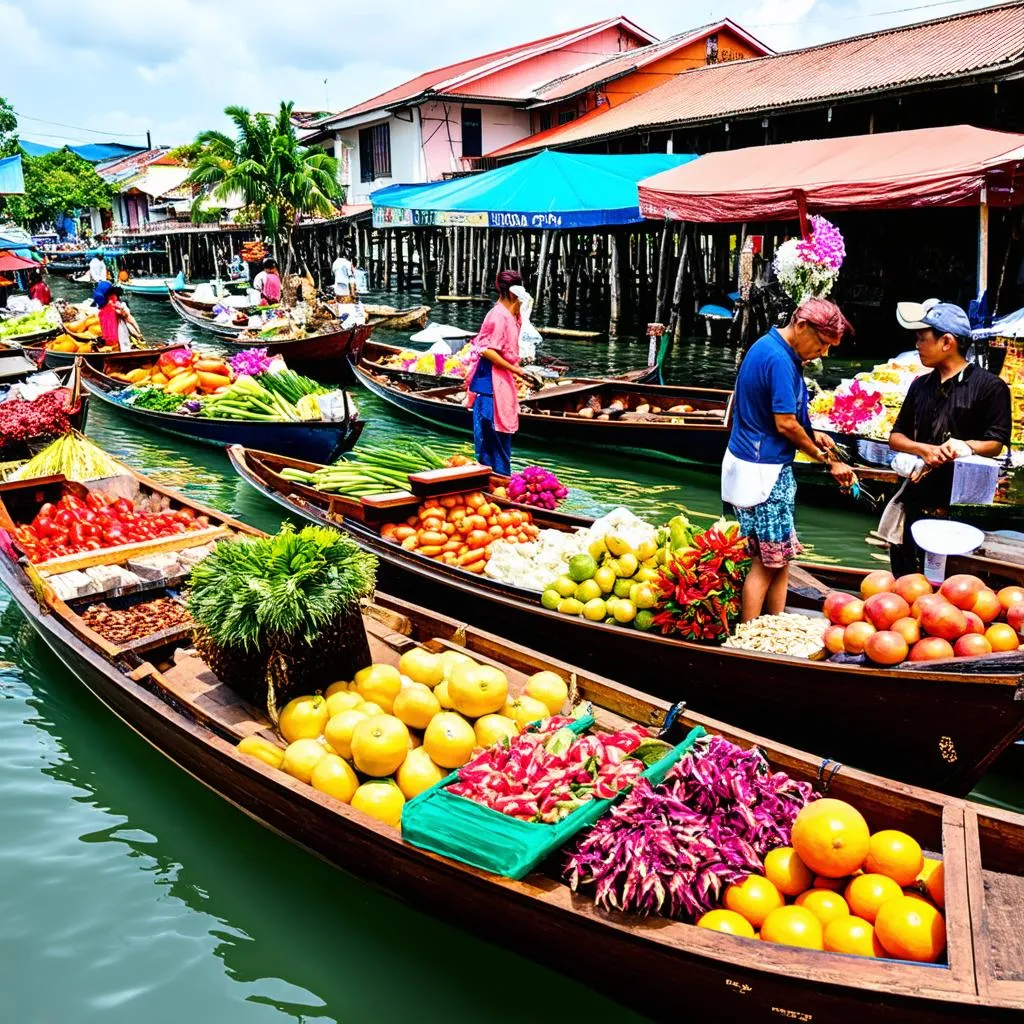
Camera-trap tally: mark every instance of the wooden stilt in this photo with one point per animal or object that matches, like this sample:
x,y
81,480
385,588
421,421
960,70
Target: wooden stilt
x,y
542,266
615,284
677,293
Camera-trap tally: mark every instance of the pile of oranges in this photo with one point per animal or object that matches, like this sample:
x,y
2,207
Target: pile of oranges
x,y
849,891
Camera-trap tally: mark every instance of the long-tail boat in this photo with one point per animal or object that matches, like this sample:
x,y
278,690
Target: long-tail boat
x,y
160,688
938,724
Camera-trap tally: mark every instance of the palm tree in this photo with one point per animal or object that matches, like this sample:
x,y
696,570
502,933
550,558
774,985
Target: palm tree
x,y
278,178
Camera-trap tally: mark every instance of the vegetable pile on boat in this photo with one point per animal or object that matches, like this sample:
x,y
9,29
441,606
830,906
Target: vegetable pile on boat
x,y
121,625
74,524
373,469
430,363
460,529
534,485
895,620
394,732
46,416
30,323
180,371
72,456
800,636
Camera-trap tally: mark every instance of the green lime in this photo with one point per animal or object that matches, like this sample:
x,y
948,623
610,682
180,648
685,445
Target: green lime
x,y
582,567
550,598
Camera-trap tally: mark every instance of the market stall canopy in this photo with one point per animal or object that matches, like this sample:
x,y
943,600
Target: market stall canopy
x,y
12,180
11,261
958,165
550,190
1009,326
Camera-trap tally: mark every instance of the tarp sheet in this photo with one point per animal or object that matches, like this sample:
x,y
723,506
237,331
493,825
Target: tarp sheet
x,y
1009,326
550,190
12,180
948,166
12,261
94,152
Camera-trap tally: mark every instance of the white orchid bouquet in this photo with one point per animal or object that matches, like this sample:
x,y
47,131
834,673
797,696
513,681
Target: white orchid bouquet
x,y
809,267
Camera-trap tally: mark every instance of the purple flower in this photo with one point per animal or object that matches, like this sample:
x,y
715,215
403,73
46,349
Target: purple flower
x,y
250,362
825,244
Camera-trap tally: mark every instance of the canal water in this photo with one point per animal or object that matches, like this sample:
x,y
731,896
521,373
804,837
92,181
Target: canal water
x,y
129,893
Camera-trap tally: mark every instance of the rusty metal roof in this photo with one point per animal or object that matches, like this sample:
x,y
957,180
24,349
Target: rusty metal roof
x,y
957,46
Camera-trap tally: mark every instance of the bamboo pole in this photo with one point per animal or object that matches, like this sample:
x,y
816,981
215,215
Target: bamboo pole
x,y
542,266
614,283
661,296
677,292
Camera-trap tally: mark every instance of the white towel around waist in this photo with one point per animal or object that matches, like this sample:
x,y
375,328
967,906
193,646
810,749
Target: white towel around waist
x,y
746,484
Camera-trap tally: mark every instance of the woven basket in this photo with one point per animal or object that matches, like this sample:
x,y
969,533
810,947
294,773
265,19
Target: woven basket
x,y
284,667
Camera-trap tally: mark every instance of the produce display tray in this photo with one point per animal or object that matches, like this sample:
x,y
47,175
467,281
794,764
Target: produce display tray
x,y
474,834
139,595
453,480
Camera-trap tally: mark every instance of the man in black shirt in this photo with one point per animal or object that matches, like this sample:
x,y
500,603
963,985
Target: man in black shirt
x,y
955,408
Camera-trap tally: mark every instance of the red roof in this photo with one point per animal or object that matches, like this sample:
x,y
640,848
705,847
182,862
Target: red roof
x,y
12,261
135,162
932,51
457,78
895,170
620,64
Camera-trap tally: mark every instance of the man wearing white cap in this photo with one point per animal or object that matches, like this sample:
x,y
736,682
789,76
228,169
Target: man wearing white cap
x,y
958,409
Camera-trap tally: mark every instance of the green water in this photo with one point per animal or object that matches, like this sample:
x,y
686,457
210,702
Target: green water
x,y
128,893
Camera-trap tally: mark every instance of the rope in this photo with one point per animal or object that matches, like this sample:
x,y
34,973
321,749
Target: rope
x,y
826,773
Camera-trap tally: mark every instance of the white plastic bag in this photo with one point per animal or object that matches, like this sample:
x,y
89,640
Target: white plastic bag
x,y
529,336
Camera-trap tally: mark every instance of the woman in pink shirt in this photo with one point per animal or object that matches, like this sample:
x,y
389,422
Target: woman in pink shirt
x,y
491,378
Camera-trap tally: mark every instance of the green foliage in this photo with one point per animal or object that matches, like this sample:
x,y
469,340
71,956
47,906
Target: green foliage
x,y
56,184
189,153
246,592
267,166
8,129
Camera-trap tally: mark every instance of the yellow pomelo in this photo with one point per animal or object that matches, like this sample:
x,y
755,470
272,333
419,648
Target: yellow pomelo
x,y
370,708
379,684
343,700
340,728
617,545
333,775
443,696
449,661
303,718
417,773
263,750
380,799
379,745
549,688
477,690
493,729
449,740
416,705
524,709
341,686
421,666
301,757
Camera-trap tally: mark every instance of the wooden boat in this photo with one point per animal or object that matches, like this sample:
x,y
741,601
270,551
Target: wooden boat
x,y
51,359
940,726
375,353
173,701
393,319
153,287
15,366
699,436
67,265
77,418
200,315
327,439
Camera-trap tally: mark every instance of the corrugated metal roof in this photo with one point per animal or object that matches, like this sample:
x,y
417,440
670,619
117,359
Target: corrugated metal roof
x,y
952,47
620,64
451,78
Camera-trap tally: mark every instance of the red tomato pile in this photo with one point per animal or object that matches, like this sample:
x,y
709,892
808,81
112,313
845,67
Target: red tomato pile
x,y
73,525
459,530
904,619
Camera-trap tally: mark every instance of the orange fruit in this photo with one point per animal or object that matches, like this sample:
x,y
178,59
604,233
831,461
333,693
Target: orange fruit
x,y
379,745
866,893
754,899
895,855
449,740
380,799
417,773
793,926
831,837
832,884
786,871
1002,637
852,935
380,684
727,921
303,718
333,775
415,705
910,929
824,905
935,885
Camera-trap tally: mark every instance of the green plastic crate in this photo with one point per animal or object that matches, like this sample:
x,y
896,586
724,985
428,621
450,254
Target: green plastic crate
x,y
474,834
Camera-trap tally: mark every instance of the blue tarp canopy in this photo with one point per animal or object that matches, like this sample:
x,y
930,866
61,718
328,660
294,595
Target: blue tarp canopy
x,y
1009,326
12,181
94,152
550,190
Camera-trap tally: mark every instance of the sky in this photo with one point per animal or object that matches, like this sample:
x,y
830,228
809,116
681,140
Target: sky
x,y
79,72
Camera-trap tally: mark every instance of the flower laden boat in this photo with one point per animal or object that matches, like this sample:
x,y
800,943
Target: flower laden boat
x,y
942,725
166,693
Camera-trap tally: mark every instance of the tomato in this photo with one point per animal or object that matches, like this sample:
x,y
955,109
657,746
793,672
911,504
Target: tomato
x,y
114,535
122,506
95,500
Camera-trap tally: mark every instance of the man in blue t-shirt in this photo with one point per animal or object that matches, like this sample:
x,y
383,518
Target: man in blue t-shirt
x,y
770,425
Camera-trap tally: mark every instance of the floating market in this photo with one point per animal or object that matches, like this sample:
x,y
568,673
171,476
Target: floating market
x,y
531,541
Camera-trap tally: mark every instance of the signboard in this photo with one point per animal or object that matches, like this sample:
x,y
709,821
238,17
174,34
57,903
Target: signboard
x,y
399,217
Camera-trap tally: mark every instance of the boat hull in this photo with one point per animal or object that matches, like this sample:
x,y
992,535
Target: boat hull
x,y
57,360
617,960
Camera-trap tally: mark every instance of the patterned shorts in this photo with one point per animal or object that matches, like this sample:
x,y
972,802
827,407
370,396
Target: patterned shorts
x,y
770,527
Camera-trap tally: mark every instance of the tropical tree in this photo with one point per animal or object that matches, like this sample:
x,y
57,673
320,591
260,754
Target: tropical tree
x,y
8,129
279,179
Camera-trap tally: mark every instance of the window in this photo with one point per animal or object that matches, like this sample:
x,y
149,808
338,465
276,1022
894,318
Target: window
x,y
545,120
565,116
375,152
472,135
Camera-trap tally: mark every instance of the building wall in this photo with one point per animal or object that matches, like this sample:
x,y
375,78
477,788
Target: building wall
x,y
442,133
404,158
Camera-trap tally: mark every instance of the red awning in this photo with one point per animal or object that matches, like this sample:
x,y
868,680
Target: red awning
x,y
11,261
897,170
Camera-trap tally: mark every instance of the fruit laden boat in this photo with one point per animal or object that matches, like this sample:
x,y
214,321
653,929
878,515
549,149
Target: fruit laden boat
x,y
327,438
161,689
689,422
939,726
45,355
394,319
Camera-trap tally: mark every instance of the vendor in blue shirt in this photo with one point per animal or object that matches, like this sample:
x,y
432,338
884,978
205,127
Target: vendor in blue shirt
x,y
770,425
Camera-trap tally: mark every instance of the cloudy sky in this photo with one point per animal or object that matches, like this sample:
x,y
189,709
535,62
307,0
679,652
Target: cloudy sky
x,y
81,72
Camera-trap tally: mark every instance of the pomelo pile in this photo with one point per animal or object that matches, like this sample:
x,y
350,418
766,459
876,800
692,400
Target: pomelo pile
x,y
904,619
841,889
393,732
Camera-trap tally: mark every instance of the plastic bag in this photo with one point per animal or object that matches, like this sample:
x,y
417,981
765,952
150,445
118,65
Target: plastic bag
x,y
529,336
